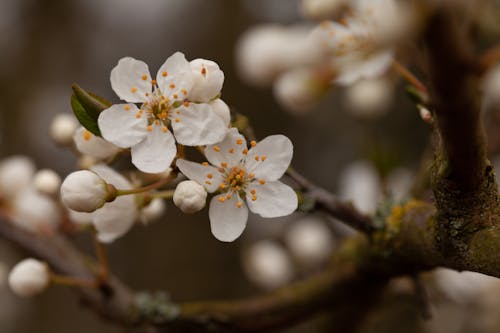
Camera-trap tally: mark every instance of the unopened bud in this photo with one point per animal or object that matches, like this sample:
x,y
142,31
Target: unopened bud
x,y
208,80
63,128
85,191
425,114
29,277
47,181
190,196
16,173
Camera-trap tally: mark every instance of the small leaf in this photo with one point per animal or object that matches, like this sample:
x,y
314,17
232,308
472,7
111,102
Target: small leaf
x,y
92,103
83,116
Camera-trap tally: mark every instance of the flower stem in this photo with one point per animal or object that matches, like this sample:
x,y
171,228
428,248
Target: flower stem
x,y
168,194
102,259
408,76
147,188
73,281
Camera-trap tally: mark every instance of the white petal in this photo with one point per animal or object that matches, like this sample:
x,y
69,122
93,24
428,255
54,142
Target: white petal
x,y
130,80
175,77
89,144
115,218
227,220
222,110
200,174
208,80
270,158
273,199
197,125
229,150
111,176
371,67
120,125
156,152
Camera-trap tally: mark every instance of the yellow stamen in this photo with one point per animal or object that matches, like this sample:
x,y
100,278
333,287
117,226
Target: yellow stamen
x,y
254,197
87,135
133,89
262,181
239,142
222,199
239,204
223,164
144,77
209,176
253,143
126,107
164,73
217,148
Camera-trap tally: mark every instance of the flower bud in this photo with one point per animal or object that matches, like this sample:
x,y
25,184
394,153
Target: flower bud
x,y
47,181
63,128
29,277
208,80
16,173
85,191
190,196
222,110
268,265
152,211
369,98
297,90
310,241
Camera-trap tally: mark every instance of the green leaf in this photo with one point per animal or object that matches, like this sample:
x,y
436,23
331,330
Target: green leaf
x,y
92,103
87,121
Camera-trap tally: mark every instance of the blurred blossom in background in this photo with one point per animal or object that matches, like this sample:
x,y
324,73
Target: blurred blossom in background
x,y
363,141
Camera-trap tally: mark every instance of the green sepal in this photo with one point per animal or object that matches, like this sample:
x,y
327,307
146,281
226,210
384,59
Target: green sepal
x,y
417,96
84,117
92,103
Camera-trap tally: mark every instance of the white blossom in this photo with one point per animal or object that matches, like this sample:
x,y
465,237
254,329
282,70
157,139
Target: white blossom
x,y
265,52
16,174
47,181
29,277
222,110
298,90
268,265
85,191
91,145
240,175
164,104
34,211
190,196
114,218
360,184
207,80
310,241
62,128
369,98
352,48
153,211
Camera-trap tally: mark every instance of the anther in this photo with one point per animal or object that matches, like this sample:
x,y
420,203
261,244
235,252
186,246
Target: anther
x,y
126,107
263,158
222,199
175,96
172,86
252,191
144,77
257,157
203,71
164,129
217,148
254,197
262,181
87,135
149,128
245,151
184,91
231,151
208,182
186,103
223,164
239,142
205,163
209,176
253,143
153,82
222,185
177,120
239,204
133,89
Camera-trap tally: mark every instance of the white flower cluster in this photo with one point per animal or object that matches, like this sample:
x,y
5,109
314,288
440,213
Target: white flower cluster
x,y
28,195
303,63
180,107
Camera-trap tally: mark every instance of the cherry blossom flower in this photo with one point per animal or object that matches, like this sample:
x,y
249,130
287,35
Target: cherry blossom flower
x,y
353,46
164,104
237,174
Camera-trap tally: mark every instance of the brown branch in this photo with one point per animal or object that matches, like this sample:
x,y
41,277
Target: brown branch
x,y
329,203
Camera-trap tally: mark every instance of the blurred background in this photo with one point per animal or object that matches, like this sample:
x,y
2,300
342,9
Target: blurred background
x,y
46,45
